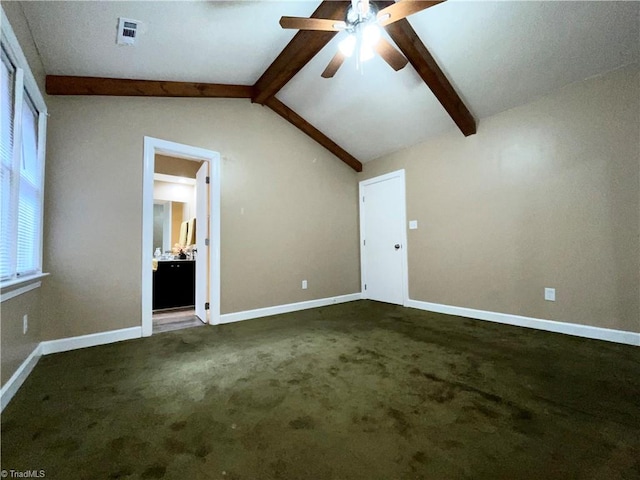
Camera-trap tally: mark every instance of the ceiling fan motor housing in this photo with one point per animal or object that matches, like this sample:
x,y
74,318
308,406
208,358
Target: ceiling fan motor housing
x,y
353,18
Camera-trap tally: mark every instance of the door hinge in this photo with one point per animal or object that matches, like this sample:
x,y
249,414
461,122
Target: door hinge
x,y
364,242
206,242
206,306
365,286
207,181
363,199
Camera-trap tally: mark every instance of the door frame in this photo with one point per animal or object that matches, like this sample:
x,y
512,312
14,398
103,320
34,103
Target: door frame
x,y
153,146
403,235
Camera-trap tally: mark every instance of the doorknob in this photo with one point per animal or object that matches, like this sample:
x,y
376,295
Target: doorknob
x,y
397,246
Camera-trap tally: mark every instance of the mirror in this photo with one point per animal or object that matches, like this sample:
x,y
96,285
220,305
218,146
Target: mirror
x,y
168,218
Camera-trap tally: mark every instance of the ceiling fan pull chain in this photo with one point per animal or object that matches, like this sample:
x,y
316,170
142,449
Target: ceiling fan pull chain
x,y
358,49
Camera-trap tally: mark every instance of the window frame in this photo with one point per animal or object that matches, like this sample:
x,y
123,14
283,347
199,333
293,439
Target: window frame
x,y
24,84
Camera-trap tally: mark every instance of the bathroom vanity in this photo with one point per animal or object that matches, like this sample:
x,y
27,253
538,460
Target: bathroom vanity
x,y
174,284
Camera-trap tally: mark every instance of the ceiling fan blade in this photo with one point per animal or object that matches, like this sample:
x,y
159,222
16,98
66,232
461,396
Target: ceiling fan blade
x,y
403,9
302,23
391,55
335,63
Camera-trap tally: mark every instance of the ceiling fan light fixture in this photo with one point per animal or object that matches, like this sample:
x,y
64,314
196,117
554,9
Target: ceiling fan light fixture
x,y
347,45
366,53
371,35
351,16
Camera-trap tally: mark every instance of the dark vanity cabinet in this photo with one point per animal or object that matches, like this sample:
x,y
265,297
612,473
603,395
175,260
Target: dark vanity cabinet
x,y
174,284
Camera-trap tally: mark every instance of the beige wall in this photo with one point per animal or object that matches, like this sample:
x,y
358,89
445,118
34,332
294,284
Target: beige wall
x,y
15,346
289,207
545,195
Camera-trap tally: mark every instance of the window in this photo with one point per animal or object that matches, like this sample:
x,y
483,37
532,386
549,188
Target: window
x,y
22,136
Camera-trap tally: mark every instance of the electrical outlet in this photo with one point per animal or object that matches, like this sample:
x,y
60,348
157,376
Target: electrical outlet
x,y
304,284
550,294
25,324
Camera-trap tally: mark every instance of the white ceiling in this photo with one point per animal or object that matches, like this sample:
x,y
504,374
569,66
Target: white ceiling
x,y
498,55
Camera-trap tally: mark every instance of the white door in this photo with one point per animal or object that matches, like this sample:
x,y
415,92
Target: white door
x,y
202,237
383,238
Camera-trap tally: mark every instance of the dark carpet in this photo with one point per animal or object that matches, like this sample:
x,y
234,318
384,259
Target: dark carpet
x,y
355,391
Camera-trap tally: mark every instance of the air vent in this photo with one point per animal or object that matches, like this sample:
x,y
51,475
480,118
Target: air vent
x,y
128,31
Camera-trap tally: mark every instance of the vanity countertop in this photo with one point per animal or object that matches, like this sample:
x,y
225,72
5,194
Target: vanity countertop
x,y
176,260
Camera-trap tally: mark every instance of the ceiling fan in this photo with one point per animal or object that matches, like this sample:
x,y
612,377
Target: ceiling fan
x,y
363,22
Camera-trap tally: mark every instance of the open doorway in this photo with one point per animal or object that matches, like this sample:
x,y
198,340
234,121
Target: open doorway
x,y
175,283
181,190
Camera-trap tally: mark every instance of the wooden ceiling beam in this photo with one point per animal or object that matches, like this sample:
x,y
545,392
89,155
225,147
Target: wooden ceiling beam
x,y
296,120
66,85
416,52
300,50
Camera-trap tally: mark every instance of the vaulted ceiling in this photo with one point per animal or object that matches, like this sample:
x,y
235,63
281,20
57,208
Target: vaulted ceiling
x,y
495,56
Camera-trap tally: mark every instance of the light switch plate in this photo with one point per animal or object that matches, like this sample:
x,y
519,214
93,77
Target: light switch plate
x,y
550,294
413,224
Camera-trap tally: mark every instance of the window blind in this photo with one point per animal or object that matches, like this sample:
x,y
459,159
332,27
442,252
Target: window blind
x,y
29,203
6,167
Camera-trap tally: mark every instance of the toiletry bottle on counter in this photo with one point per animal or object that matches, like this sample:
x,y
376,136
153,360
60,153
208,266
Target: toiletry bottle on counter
x,y
157,254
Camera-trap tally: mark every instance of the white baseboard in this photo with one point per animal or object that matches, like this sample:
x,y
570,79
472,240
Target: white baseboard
x,y
10,388
91,340
290,307
608,334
